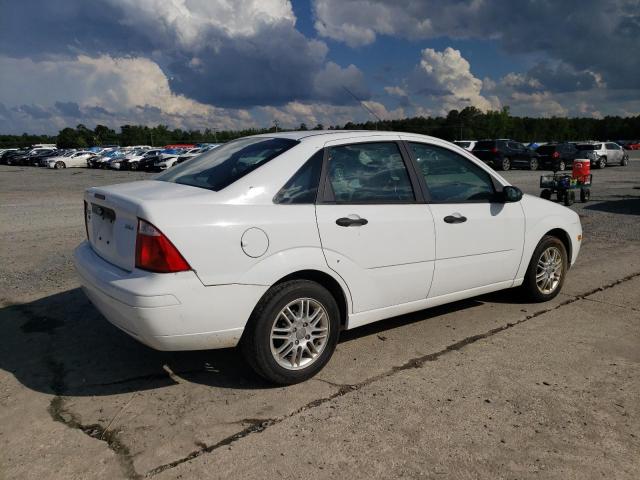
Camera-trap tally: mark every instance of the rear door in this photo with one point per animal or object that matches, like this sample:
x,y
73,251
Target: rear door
x,y
479,239
376,231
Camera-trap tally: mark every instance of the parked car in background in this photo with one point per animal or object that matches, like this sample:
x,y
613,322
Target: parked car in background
x,y
278,242
103,160
602,154
8,156
33,157
133,162
504,154
558,156
466,144
147,163
7,152
71,160
44,162
632,145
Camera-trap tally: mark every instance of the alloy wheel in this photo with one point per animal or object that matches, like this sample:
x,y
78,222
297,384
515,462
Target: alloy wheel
x,y
299,333
549,270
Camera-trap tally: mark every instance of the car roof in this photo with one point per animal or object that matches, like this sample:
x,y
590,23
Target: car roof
x,y
329,135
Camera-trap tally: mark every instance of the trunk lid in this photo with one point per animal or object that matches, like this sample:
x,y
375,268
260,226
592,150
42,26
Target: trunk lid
x,y
112,214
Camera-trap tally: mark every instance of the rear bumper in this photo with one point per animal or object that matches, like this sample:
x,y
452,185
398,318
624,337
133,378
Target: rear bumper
x,y
166,311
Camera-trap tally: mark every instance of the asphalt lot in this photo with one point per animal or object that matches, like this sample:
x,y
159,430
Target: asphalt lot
x,y
485,388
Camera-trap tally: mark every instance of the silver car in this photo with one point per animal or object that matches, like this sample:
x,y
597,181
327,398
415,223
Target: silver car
x,y
603,153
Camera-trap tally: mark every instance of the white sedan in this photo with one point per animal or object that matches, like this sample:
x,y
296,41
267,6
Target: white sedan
x,y
72,160
278,242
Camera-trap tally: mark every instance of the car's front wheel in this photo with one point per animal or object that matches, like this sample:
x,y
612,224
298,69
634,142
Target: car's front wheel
x,y
602,162
292,332
533,164
547,270
60,165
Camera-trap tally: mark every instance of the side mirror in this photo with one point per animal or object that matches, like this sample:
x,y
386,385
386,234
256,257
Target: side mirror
x,y
511,194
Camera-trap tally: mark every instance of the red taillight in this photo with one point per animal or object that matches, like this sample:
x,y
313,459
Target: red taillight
x,y
556,155
494,150
154,251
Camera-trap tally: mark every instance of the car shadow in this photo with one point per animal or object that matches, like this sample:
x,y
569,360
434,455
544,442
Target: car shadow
x,y
627,205
62,345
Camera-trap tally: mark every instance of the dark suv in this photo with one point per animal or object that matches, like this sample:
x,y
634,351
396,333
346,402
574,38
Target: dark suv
x,y
557,156
504,154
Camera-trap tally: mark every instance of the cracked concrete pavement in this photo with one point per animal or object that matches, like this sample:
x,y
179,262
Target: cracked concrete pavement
x,y
488,387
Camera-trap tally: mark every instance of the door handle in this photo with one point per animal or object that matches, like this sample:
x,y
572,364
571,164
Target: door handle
x,y
352,221
455,218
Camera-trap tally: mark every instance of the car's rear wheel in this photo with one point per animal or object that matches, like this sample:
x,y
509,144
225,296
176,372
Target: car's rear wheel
x,y
602,162
292,332
133,165
533,164
60,165
504,164
547,270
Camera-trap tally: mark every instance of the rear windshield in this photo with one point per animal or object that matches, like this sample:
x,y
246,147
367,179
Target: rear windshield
x,y
546,149
587,146
485,145
222,166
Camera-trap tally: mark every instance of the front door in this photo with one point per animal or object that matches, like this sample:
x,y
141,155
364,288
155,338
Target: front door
x,y
479,239
375,232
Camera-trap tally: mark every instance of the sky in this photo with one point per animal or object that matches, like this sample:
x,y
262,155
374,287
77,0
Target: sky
x,y
231,64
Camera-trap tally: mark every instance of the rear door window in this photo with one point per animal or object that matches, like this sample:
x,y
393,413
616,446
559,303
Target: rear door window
x,y
451,178
303,186
369,173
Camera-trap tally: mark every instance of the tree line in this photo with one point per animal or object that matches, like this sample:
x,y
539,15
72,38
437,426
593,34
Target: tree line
x,y
467,124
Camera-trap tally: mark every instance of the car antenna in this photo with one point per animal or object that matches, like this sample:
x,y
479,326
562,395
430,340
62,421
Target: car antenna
x,y
363,105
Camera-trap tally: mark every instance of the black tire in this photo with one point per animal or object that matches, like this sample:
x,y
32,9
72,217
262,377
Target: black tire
x,y
625,161
546,194
256,340
569,198
602,162
504,164
133,166
533,164
585,195
529,287
562,166
59,165
560,195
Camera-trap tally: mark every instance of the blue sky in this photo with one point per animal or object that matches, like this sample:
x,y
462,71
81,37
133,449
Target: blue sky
x,y
219,64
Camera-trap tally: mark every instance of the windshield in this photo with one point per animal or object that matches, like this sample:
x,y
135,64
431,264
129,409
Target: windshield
x,y
224,165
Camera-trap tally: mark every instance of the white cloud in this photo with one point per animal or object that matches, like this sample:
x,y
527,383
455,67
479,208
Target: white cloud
x,y
358,22
294,113
395,91
446,78
190,20
102,89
